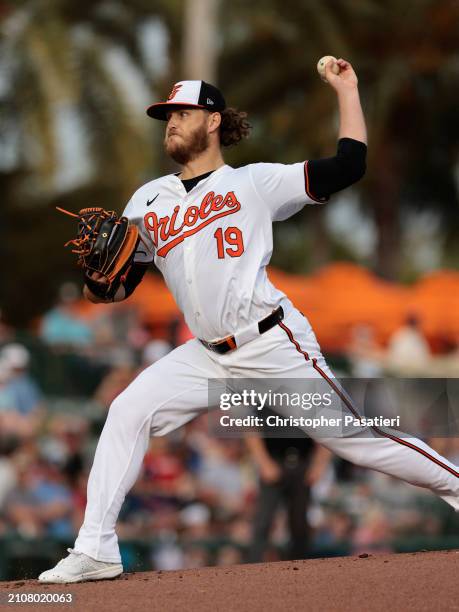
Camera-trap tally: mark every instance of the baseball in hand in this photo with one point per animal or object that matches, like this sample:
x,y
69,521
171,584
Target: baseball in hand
x,y
323,62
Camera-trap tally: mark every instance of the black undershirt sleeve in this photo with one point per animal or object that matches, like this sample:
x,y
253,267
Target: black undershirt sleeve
x,y
135,274
329,175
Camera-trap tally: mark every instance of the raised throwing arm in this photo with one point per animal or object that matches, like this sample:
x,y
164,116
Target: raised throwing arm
x,y
329,175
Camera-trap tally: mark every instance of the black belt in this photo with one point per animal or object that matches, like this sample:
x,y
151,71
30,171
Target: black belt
x,y
229,343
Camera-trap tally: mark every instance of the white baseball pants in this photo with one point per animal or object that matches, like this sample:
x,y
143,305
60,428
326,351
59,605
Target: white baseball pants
x,y
174,390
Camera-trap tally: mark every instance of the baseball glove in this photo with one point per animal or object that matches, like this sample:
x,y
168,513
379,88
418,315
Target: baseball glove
x,y
105,245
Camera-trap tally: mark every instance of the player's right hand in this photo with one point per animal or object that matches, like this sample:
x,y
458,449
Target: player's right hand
x,y
345,80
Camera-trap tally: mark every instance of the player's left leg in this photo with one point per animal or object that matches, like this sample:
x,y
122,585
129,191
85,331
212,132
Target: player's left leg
x,y
290,350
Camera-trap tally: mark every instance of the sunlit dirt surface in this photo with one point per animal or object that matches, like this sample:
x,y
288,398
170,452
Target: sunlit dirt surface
x,y
414,581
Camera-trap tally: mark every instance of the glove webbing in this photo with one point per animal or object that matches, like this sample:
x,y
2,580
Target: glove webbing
x,y
87,233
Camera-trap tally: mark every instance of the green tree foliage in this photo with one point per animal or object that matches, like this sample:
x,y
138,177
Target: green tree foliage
x,y
407,57
64,61
60,87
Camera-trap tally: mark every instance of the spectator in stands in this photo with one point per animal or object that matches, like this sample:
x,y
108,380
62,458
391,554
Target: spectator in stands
x,y
374,533
41,502
114,382
221,476
21,401
6,397
20,386
336,533
62,325
364,353
20,508
8,477
408,351
53,499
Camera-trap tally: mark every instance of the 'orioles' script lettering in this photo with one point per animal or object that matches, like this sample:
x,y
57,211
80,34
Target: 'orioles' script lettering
x,y
212,207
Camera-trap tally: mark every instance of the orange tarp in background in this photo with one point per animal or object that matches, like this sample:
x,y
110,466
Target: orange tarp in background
x,y
343,295
436,299
152,300
335,299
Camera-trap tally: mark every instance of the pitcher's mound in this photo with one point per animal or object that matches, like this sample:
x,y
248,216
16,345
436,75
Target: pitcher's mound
x,y
415,581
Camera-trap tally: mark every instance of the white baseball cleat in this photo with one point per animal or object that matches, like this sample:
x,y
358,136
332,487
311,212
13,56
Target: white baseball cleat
x,y
78,567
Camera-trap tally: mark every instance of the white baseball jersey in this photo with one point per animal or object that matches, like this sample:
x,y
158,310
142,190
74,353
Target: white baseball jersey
x,y
213,243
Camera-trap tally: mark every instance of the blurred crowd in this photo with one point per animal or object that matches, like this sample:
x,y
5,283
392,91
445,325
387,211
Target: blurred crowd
x,y
195,502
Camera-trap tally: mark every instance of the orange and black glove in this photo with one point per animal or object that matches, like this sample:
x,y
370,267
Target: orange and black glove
x,y
105,245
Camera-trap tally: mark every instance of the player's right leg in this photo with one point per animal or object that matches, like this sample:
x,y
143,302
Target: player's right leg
x,y
163,397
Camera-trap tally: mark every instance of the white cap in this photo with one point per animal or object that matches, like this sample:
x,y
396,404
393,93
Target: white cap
x,y
194,94
15,355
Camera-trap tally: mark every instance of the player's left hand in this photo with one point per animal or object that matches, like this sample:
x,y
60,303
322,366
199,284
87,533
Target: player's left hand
x,y
345,80
105,245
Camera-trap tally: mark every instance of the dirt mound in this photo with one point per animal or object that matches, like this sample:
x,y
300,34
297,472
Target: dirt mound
x,y
417,581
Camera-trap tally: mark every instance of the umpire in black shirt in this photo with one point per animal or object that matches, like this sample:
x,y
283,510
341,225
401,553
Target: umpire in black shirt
x,y
288,465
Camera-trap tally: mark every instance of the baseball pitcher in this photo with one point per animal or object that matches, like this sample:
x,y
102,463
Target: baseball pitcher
x,y
208,228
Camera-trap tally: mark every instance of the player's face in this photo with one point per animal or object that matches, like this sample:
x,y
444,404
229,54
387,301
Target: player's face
x,y
187,134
